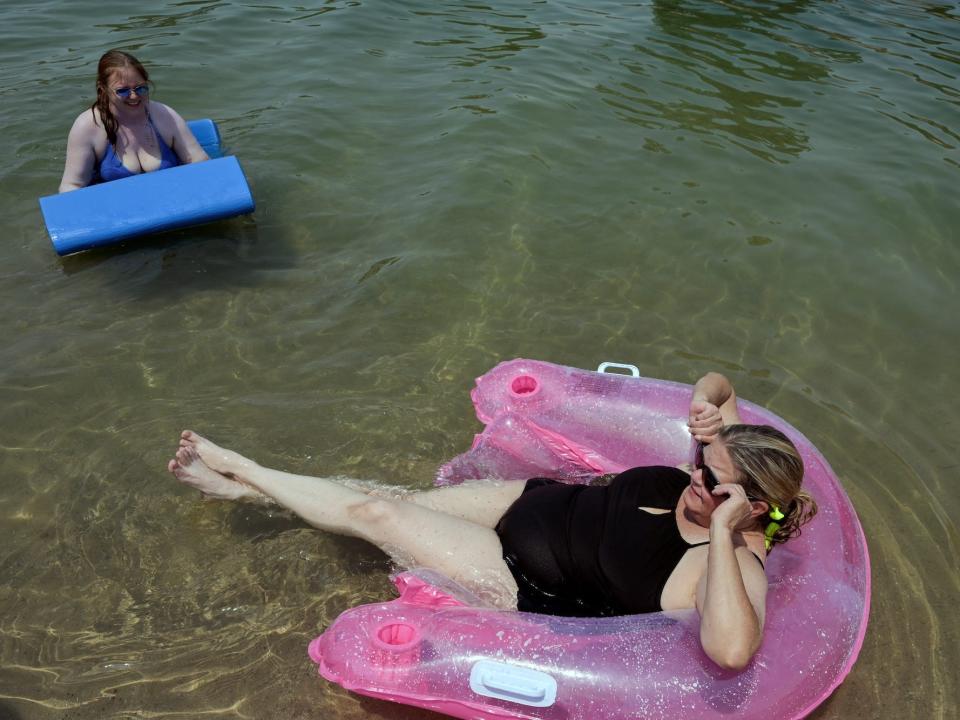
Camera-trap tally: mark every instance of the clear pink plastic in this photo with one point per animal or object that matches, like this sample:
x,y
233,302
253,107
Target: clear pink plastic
x,y
548,420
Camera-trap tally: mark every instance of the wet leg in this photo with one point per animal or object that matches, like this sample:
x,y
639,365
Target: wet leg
x,y
413,534
478,501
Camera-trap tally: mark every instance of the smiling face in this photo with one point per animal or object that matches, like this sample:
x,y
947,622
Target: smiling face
x,y
125,78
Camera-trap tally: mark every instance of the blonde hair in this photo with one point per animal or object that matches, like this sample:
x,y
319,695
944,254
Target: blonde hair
x,y
771,470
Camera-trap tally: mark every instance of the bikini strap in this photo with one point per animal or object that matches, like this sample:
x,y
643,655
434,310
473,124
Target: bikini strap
x,y
155,131
160,139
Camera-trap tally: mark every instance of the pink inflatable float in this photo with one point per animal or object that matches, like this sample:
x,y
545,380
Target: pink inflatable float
x,y
432,648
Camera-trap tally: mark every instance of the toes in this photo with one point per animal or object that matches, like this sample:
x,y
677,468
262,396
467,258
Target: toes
x,y
193,438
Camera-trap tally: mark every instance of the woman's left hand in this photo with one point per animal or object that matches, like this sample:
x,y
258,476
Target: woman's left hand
x,y
705,421
712,406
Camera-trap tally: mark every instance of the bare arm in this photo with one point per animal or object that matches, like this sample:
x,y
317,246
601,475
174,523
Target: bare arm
x,y
81,153
731,599
731,594
713,405
184,143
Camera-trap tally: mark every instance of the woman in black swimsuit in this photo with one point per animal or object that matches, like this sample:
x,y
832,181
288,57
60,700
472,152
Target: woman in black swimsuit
x,y
654,538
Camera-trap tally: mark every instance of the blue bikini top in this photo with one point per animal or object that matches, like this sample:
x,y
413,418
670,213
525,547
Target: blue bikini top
x,y
112,167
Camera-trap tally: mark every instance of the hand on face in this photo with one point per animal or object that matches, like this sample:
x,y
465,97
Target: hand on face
x,y
733,506
705,421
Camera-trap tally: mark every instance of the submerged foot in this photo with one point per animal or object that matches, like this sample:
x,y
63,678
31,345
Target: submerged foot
x,y
189,468
216,458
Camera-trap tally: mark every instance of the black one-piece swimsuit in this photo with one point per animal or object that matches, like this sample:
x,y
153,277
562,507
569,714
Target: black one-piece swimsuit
x,y
589,551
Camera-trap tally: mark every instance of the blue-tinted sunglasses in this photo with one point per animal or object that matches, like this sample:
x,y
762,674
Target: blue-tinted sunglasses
x,y
139,90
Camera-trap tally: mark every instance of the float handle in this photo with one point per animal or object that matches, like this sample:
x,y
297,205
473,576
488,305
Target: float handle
x,y
514,683
633,369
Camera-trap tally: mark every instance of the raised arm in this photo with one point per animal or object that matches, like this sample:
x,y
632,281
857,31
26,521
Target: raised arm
x,y
731,595
713,405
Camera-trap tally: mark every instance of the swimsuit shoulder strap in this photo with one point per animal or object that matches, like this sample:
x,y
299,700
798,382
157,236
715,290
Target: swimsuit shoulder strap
x,y
163,143
707,542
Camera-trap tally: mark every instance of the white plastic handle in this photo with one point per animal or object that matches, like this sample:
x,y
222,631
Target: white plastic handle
x,y
513,683
634,370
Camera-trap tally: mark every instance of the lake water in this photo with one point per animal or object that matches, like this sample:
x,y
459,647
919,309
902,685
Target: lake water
x,y
758,188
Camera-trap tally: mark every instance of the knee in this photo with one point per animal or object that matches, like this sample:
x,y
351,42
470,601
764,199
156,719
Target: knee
x,y
373,512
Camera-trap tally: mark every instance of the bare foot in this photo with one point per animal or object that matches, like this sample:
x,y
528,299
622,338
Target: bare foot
x,y
216,458
189,468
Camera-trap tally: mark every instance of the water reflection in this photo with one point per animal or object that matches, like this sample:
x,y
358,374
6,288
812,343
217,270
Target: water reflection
x,y
742,117
707,72
199,11
483,39
907,46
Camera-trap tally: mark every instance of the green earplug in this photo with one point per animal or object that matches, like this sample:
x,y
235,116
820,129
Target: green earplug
x,y
775,517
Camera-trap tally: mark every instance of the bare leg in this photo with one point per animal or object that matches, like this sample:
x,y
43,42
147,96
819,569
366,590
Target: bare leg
x,y
412,533
478,501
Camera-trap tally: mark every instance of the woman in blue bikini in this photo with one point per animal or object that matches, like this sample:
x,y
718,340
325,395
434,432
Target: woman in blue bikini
x,y
124,133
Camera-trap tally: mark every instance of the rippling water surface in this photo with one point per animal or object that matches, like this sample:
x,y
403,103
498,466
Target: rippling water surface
x,y
767,189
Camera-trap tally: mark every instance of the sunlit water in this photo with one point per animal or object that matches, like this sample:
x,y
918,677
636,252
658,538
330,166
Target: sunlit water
x,y
767,189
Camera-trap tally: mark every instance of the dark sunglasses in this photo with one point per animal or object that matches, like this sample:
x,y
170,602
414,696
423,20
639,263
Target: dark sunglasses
x,y
139,90
709,479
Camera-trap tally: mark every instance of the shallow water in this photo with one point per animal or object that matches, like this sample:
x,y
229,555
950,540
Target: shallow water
x,y
758,188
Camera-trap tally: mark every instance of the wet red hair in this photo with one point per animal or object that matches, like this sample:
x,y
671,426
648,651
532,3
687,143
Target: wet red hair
x,y
112,60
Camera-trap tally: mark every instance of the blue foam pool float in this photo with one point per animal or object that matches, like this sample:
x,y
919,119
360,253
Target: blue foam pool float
x,y
192,194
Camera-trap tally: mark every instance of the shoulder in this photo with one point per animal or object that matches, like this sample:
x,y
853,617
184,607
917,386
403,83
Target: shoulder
x,y
752,573
655,485
87,135
750,560
164,116
177,134
754,579
754,576
656,471
87,125
171,125
659,475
